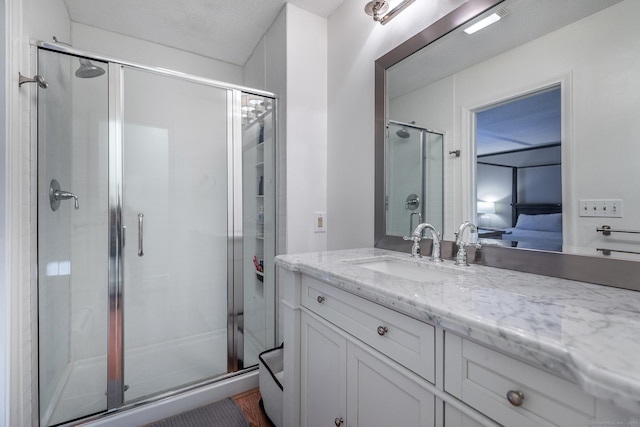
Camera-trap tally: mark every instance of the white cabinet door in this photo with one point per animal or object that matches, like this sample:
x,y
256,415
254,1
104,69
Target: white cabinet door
x,y
323,354
378,394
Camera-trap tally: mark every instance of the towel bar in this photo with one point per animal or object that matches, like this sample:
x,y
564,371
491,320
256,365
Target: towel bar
x,y
608,251
607,230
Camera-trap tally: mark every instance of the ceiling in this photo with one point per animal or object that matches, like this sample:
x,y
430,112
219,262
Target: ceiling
x,y
227,30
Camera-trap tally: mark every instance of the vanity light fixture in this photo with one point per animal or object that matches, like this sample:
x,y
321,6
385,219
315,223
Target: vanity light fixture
x,y
485,22
378,9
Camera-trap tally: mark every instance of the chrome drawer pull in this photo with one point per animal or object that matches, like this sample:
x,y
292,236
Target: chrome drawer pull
x,y
338,421
382,330
515,397
320,299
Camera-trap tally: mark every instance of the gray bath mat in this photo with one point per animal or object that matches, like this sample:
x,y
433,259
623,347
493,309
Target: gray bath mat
x,y
224,413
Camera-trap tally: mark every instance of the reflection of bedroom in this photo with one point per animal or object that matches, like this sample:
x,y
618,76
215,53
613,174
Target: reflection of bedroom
x,y
519,173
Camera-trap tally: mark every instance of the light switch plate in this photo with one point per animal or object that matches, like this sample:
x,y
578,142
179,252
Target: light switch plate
x,y
603,208
319,222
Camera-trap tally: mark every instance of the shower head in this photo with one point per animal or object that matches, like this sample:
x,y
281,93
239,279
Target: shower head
x,y
403,133
88,70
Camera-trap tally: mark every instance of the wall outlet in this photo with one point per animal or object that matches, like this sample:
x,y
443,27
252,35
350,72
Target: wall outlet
x,y
603,208
319,222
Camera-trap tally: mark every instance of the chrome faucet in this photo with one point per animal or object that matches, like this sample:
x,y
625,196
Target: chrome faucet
x,y
411,220
417,236
461,256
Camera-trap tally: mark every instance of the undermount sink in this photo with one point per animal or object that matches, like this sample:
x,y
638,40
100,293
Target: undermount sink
x,y
406,269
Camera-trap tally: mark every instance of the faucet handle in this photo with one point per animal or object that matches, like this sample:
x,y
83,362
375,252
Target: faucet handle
x,y
415,247
461,255
476,245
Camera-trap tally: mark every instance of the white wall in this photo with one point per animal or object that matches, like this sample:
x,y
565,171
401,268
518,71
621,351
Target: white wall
x,y
306,128
44,19
291,61
118,46
355,42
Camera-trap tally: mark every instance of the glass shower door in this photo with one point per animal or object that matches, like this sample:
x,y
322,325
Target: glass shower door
x,y
156,230
72,239
258,201
175,210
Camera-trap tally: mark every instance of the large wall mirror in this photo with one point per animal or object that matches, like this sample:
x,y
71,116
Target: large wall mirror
x,y
537,136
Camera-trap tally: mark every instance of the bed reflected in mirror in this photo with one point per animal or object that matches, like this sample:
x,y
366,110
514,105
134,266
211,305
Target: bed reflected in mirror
x,y
519,171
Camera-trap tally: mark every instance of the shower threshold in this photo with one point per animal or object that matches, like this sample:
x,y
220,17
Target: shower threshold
x,y
150,370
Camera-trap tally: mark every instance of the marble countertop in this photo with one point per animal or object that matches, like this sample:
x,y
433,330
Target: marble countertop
x,y
580,331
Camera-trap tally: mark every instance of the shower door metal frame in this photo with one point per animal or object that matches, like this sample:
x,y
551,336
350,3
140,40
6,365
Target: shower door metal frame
x,y
116,232
115,332
235,294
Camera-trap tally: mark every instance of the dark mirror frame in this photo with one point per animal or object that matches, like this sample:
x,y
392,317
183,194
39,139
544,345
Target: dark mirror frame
x,y
610,272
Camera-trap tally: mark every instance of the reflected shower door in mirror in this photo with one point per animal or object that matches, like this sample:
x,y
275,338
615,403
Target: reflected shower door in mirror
x,y
414,161
519,171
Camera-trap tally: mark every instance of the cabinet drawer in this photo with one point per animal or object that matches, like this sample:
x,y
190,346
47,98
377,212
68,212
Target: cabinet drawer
x,y
401,338
482,378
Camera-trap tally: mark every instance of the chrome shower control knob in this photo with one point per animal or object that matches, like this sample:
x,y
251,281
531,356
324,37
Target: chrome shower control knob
x,y
320,299
382,330
515,397
338,421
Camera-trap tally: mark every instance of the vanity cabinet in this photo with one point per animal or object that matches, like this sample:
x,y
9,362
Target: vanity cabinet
x,y
352,362
346,381
347,385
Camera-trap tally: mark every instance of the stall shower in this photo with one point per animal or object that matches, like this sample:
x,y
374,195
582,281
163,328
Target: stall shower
x,y
156,230
414,179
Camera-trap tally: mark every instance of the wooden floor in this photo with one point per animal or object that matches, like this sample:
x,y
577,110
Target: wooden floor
x,y
249,403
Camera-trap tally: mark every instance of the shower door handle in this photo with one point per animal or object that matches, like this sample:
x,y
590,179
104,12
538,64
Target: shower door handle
x,y
140,234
